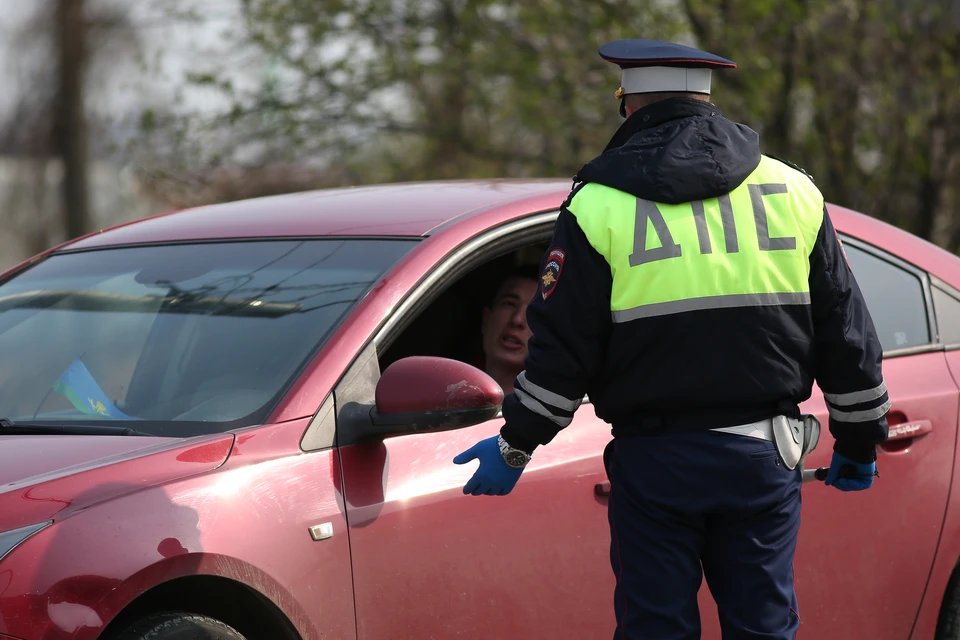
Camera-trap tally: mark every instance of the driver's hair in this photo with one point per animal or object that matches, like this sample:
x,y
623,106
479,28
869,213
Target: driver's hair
x,y
526,271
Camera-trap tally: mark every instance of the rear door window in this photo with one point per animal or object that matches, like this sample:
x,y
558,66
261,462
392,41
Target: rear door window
x,y
894,297
947,308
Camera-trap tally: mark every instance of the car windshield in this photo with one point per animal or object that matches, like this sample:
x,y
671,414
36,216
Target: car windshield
x,y
176,340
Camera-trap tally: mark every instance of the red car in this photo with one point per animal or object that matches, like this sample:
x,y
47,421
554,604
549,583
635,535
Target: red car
x,y
243,417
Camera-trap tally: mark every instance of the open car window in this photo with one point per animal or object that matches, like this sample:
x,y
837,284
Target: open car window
x,y
176,339
450,325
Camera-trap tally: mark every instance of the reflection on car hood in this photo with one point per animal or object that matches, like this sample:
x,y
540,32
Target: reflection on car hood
x,y
25,458
45,476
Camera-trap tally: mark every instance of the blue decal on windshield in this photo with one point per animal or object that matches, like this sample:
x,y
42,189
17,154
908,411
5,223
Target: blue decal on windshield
x,y
83,392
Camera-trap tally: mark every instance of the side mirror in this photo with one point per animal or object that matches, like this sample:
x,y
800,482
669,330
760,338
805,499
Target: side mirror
x,y
422,394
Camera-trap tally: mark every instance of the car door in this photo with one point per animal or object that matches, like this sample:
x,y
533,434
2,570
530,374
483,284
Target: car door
x,y
431,562
864,558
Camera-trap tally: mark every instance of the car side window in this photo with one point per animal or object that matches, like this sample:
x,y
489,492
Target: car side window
x,y
450,326
895,299
947,309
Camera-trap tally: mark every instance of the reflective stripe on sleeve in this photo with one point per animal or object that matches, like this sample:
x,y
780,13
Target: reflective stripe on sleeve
x,y
533,405
864,415
546,396
855,397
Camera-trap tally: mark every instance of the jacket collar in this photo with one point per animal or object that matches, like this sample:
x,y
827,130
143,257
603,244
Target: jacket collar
x,y
658,113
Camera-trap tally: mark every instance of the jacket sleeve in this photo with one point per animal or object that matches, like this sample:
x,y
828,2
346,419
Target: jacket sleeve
x,y
848,351
570,320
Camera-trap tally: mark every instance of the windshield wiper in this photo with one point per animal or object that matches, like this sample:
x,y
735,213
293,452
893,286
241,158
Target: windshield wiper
x,y
9,427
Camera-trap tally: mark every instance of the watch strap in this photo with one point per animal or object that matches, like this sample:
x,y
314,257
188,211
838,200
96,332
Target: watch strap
x,y
516,458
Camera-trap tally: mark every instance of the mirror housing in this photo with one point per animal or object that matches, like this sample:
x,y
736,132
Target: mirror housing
x,y
421,394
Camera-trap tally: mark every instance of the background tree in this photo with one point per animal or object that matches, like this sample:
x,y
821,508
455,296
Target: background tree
x,y
406,89
862,93
61,48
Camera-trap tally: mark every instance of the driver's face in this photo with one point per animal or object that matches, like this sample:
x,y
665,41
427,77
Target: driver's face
x,y
505,330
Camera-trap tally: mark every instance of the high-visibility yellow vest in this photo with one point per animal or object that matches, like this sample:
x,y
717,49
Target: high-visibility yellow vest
x,y
750,247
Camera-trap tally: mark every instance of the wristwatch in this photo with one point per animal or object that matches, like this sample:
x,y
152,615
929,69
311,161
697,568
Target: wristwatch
x,y
516,458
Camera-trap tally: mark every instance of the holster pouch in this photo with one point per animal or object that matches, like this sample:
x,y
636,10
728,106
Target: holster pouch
x,y
795,439
811,435
788,438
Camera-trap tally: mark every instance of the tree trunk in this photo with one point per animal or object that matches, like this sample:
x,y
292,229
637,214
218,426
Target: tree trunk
x,y
71,126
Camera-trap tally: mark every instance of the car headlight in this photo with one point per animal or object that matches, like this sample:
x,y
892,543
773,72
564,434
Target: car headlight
x,y
10,539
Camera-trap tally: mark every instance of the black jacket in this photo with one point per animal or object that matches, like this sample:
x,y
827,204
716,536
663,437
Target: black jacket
x,y
699,369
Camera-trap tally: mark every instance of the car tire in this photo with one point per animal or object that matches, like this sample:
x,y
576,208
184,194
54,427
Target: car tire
x,y
179,626
948,626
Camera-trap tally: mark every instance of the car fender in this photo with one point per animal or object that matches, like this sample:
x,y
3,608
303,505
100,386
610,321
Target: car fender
x,y
61,582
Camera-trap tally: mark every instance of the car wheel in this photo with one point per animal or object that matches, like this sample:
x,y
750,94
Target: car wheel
x,y
179,626
948,627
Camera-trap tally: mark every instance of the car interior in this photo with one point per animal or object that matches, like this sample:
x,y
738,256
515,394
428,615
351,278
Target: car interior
x,y
449,326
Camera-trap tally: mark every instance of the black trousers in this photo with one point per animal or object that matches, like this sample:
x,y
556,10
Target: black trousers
x,y
684,506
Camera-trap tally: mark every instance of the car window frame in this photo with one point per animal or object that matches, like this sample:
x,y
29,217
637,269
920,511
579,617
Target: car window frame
x,y
358,383
951,292
923,276
482,247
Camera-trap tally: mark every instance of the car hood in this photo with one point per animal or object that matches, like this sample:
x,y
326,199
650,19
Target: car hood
x,y
44,477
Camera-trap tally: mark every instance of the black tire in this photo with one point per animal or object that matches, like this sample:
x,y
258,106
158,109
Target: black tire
x,y
948,626
179,626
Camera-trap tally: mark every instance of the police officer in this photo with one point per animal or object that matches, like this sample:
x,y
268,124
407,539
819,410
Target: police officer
x,y
694,290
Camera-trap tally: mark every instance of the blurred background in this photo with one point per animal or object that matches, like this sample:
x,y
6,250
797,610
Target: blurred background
x,y
112,110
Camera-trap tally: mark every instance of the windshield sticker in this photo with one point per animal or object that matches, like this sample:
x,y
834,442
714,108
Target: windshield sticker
x,y
78,386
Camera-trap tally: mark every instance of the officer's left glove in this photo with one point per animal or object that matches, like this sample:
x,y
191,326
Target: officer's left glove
x,y
855,476
494,477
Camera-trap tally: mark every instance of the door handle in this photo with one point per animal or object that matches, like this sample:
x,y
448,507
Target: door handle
x,y
602,488
903,433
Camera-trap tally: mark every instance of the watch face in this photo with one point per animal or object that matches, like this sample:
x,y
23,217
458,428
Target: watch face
x,y
516,458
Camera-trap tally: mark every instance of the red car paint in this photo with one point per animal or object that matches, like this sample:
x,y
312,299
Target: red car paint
x,y
410,556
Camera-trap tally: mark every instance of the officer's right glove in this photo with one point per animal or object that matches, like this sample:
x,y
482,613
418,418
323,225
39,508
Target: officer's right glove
x,y
856,476
494,477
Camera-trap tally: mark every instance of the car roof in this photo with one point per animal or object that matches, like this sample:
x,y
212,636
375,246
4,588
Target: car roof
x,y
403,209
898,242
419,209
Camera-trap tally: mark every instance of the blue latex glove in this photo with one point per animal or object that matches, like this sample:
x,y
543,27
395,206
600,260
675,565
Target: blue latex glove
x,y
494,477
863,479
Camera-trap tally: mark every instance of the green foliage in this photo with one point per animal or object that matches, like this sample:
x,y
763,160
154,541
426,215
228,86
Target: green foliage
x,y
862,93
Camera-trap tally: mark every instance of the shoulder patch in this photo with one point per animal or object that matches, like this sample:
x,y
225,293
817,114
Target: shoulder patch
x,y
842,252
792,166
550,274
